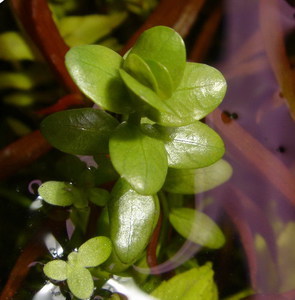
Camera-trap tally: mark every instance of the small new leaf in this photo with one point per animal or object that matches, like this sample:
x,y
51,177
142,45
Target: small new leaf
x,y
138,158
197,227
94,252
59,193
132,221
201,90
82,131
194,181
165,46
56,270
80,281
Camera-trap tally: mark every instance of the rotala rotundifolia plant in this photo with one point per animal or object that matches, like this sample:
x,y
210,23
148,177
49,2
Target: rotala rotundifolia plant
x,y
145,137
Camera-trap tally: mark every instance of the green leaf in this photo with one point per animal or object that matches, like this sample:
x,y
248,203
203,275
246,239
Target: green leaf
x,y
105,172
138,158
165,46
56,270
83,131
78,30
195,284
98,196
163,78
133,218
80,281
145,98
201,90
94,252
94,69
193,181
59,193
192,146
139,69
197,227
13,47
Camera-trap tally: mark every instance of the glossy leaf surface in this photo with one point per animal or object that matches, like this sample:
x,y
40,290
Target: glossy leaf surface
x,y
163,78
94,251
82,131
201,90
80,281
132,220
59,193
56,270
144,96
192,146
140,70
195,284
163,45
197,227
193,181
94,69
138,158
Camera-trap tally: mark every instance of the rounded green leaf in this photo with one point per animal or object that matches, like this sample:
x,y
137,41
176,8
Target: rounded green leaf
x,y
59,193
83,131
165,46
94,69
194,181
94,251
132,220
139,69
195,284
138,158
197,227
201,90
80,281
56,270
192,146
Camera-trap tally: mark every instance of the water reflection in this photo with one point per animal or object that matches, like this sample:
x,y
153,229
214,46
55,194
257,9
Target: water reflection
x,y
53,246
49,292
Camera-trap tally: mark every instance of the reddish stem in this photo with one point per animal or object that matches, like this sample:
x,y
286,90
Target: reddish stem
x,y
22,153
151,254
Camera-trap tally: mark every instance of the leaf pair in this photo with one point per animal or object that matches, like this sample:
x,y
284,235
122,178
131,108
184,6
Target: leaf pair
x,y
162,85
90,254
65,194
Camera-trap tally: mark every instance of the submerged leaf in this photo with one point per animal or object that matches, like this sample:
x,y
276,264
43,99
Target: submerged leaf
x,y
197,227
14,47
140,70
133,218
94,69
138,158
94,251
59,193
83,131
78,30
80,281
195,284
192,146
193,181
165,46
201,90
56,270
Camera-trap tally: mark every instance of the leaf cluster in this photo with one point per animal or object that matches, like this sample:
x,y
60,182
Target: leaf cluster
x,y
147,126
